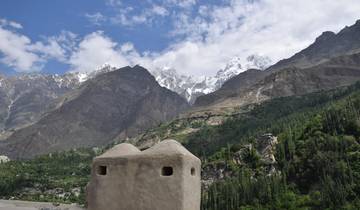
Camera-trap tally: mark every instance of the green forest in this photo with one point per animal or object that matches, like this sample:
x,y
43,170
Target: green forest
x,y
318,158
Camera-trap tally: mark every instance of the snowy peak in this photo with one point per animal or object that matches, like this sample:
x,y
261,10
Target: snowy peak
x,y
172,80
83,76
191,87
235,66
232,66
258,62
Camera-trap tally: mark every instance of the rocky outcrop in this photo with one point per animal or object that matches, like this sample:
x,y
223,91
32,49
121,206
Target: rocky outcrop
x,y
264,148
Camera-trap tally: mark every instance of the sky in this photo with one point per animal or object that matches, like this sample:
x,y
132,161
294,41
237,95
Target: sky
x,y
196,37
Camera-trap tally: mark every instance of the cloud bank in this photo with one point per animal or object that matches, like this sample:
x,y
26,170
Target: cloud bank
x,y
207,35
23,55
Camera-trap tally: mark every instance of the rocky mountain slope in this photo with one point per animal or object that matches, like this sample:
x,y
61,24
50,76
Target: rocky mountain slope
x,y
326,46
25,98
119,103
331,61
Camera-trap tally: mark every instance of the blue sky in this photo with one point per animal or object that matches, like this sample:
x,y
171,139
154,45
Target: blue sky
x,y
195,37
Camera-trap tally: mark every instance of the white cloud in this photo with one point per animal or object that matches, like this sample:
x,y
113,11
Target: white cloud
x,y
181,3
128,16
20,53
114,3
95,50
13,24
159,10
276,29
96,18
207,37
217,33
127,47
16,53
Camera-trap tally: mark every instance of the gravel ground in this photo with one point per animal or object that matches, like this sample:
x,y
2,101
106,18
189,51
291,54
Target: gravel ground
x,y
24,205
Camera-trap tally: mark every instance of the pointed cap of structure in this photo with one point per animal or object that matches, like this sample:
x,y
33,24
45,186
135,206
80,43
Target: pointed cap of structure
x,y
120,150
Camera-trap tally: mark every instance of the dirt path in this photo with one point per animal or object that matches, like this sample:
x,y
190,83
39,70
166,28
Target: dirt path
x,y
24,205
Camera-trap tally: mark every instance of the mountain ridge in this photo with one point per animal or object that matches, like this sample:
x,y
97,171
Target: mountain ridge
x,y
313,65
326,46
118,103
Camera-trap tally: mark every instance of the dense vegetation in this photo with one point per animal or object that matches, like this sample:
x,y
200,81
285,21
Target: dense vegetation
x,y
318,158
59,177
272,116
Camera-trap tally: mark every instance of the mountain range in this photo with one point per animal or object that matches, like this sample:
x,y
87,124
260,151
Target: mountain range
x,y
47,113
116,104
26,97
191,87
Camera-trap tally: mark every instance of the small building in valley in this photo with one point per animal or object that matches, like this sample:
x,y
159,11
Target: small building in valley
x,y
163,177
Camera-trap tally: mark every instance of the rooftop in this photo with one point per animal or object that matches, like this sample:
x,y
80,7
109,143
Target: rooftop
x,y
166,147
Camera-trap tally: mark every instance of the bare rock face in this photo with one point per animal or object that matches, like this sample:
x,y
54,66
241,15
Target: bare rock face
x,y
264,148
117,104
165,176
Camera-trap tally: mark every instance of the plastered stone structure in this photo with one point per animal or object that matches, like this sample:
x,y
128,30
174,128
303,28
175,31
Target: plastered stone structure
x,y
163,177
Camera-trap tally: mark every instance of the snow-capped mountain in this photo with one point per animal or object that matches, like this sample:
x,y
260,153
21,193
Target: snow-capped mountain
x,y
83,76
192,87
25,98
189,87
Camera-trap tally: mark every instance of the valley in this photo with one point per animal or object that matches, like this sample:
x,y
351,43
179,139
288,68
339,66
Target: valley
x,y
282,136
230,152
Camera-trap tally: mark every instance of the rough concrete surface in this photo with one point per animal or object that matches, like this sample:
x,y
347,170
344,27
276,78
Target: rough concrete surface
x,y
24,205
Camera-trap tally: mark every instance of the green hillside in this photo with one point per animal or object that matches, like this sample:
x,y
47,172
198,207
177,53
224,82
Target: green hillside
x,y
317,157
